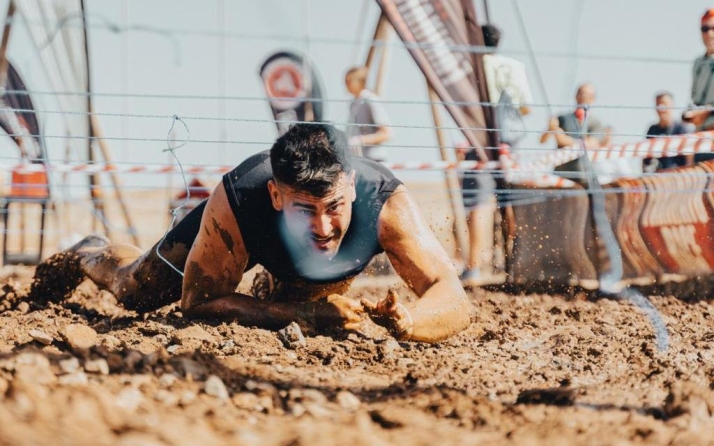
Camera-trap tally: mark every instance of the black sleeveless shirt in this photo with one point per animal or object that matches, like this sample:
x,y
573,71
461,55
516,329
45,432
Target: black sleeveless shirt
x,y
262,227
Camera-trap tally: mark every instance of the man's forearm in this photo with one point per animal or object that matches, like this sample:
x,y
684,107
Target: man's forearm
x,y
564,140
377,138
443,311
246,310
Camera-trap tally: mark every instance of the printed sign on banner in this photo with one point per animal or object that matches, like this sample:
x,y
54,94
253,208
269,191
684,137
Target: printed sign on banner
x,y
293,88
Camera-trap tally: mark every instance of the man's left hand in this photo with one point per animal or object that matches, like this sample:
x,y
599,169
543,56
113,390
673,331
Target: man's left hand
x,y
392,315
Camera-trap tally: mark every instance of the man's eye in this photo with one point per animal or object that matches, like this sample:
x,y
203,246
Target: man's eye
x,y
305,212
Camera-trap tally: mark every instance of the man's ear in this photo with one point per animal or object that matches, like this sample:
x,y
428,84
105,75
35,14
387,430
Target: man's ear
x,y
275,196
353,188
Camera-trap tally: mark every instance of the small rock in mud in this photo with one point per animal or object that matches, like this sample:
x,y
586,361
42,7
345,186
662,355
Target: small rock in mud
x,y
23,307
97,366
292,336
111,342
33,368
297,410
115,361
247,401
389,348
69,365
167,380
166,397
318,410
188,367
79,337
192,333
307,395
347,400
41,337
132,359
187,397
73,379
129,398
214,386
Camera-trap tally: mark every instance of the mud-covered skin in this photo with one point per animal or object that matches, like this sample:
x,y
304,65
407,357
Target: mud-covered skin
x,y
56,277
140,281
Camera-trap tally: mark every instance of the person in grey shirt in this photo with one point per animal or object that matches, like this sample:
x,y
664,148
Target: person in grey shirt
x,y
568,128
368,126
703,78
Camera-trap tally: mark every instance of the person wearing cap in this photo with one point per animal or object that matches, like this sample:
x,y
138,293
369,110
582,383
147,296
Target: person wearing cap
x,y
568,128
703,78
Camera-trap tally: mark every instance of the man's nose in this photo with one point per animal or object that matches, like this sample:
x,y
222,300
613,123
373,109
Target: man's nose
x,y
322,225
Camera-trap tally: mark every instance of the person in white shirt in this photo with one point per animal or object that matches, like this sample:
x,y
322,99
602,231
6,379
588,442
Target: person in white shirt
x,y
368,126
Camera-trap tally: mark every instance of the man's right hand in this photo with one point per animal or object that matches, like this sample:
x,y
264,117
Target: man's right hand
x,y
553,124
696,117
333,311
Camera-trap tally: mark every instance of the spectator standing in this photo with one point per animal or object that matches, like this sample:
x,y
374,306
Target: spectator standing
x,y
703,77
568,128
508,88
368,126
666,126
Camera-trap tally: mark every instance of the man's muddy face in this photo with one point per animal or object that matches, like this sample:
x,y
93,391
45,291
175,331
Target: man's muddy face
x,y
317,222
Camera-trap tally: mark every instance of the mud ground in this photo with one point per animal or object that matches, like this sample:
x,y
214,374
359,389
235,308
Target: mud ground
x,y
532,369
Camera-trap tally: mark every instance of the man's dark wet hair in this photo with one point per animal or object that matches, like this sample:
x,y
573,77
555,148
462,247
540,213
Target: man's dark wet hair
x,y
491,35
310,158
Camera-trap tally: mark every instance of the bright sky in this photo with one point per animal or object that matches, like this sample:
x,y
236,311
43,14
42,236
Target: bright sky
x,y
630,49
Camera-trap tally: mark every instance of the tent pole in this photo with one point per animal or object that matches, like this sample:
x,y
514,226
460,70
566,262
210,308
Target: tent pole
x,y
5,41
378,35
452,183
95,191
382,68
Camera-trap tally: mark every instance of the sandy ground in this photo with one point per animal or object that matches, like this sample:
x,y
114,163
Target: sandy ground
x,y
531,369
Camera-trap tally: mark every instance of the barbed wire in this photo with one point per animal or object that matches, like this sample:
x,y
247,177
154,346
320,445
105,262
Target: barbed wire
x,y
273,121
174,33
344,101
174,210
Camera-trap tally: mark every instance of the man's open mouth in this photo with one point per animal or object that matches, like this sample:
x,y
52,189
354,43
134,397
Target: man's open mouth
x,y
322,243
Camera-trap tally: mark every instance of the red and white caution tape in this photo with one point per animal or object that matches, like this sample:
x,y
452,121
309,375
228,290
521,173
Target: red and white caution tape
x,y
530,173
702,142
89,168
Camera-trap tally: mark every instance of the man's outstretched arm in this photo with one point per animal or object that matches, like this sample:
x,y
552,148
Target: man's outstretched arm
x,y
214,269
443,308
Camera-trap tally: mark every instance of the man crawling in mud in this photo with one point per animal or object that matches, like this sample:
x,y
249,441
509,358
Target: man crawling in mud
x,y
313,217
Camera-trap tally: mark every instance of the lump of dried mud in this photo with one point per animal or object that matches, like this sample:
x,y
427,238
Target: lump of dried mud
x,y
214,386
79,337
41,337
292,336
